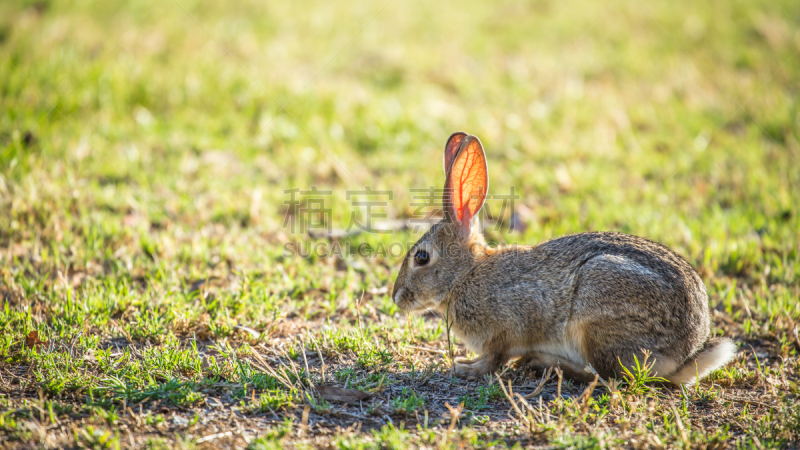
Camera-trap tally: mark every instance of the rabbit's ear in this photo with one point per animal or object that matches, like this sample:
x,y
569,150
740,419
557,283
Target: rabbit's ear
x,y
451,149
467,182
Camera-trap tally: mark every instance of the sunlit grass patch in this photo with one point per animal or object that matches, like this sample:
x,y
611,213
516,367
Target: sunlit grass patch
x,y
273,400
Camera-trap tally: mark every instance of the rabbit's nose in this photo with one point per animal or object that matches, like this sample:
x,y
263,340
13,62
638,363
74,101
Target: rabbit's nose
x,y
398,294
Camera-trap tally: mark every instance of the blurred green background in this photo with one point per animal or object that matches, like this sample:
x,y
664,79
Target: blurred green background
x,y
146,147
159,136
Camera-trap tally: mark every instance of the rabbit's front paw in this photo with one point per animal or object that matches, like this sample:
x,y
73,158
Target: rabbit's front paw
x,y
472,369
467,371
461,360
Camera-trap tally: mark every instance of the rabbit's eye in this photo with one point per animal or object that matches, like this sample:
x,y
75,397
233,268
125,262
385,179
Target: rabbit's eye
x,y
422,257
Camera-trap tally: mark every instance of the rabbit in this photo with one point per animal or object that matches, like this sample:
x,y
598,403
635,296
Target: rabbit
x,y
595,298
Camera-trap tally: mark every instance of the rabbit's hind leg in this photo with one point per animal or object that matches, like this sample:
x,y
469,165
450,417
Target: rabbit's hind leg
x,y
542,361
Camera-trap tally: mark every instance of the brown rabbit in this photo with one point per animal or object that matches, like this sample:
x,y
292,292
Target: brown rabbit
x,y
588,298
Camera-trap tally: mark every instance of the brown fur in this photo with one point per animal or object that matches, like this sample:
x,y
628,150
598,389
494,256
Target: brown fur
x,y
588,298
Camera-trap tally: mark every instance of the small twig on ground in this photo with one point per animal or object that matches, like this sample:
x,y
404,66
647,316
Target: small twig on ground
x,y
545,378
679,424
509,393
267,368
319,353
304,421
455,413
587,394
305,359
560,374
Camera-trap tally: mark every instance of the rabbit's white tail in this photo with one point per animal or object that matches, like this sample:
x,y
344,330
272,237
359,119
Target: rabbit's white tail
x,y
715,353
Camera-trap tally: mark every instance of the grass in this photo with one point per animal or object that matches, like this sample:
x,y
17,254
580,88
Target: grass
x,y
482,397
407,403
150,237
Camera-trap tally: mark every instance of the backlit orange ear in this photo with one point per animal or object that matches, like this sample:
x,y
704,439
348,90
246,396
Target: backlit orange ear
x,y
451,149
467,181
